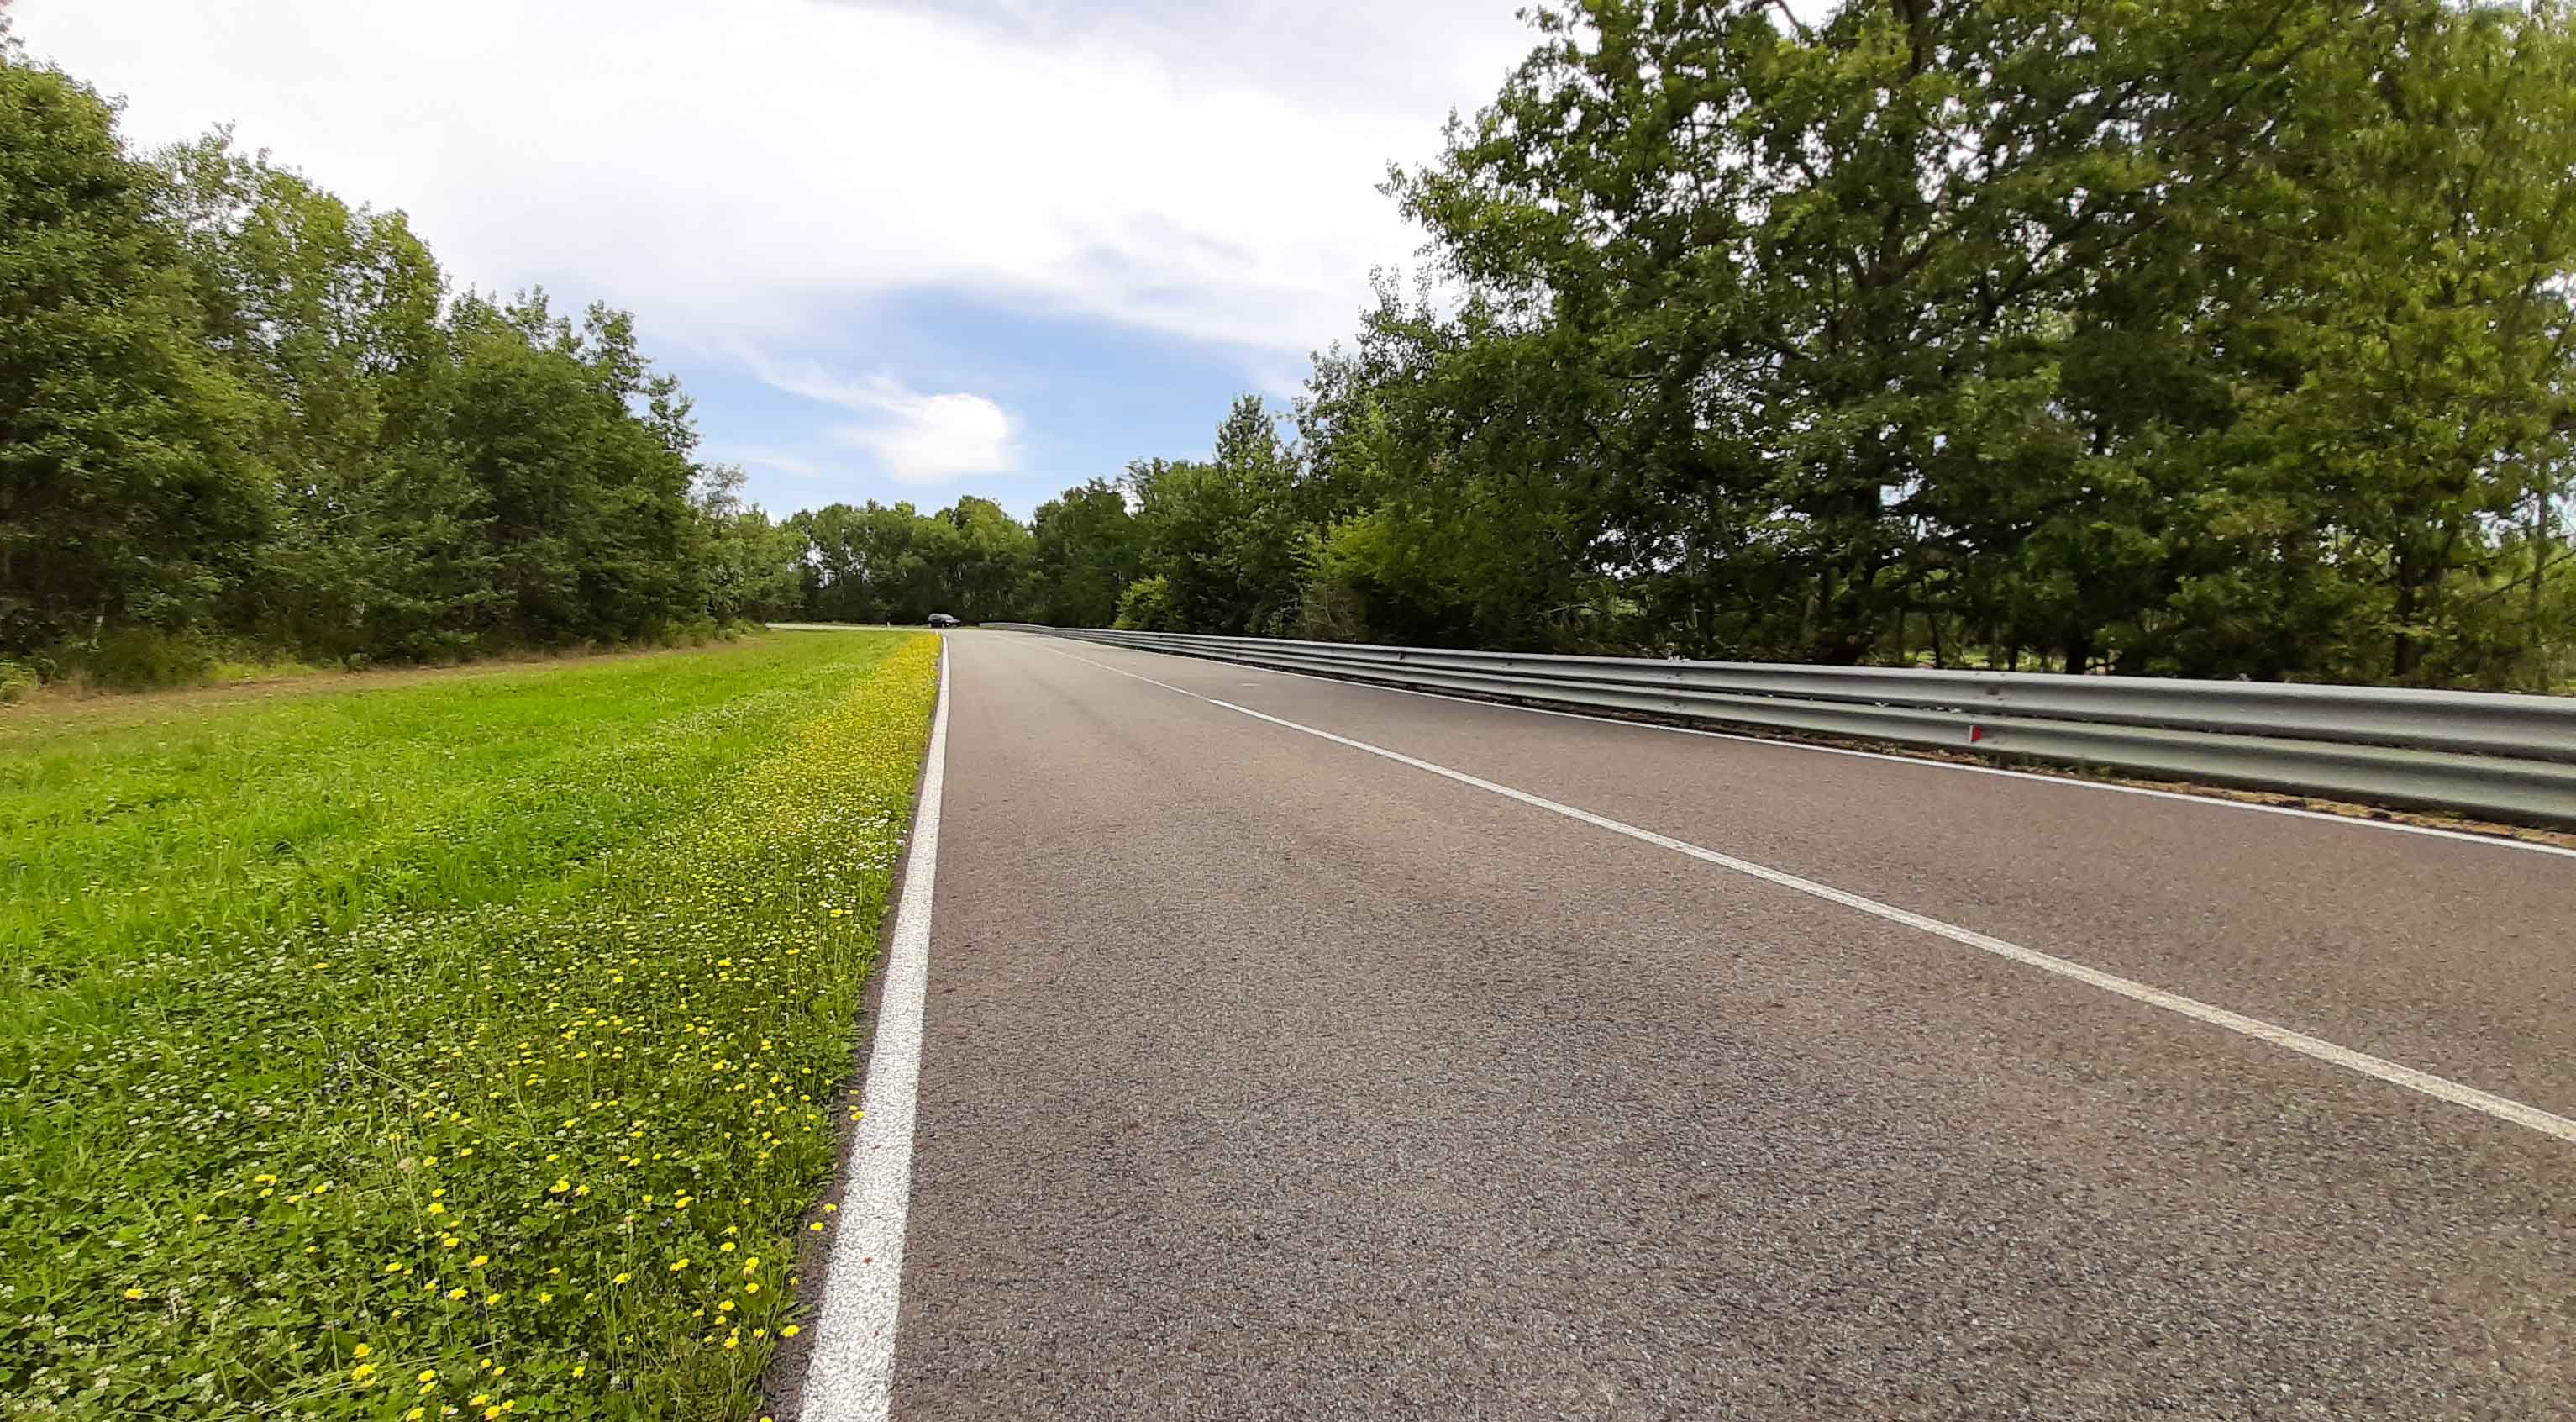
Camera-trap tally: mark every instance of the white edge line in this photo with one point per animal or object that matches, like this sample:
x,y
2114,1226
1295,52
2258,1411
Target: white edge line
x,y
849,1374
2076,782
2394,1073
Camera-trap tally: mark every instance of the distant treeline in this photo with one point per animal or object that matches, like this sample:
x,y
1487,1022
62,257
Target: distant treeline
x,y
2157,337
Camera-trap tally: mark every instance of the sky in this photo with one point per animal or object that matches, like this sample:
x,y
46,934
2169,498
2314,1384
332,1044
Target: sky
x,y
898,250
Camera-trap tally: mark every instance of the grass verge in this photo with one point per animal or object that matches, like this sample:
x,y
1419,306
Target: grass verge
x,y
444,1049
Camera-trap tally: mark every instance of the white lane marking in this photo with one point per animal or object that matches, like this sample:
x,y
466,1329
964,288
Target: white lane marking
x,y
2494,841
849,1375
2394,1073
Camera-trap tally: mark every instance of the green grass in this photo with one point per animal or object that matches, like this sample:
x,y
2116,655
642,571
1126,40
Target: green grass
x,y
365,1053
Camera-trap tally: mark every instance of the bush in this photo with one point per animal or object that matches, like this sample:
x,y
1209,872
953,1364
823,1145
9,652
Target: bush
x,y
682,632
16,681
1146,606
142,659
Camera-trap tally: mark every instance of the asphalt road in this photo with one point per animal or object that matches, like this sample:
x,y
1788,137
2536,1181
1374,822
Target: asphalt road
x,y
1266,1076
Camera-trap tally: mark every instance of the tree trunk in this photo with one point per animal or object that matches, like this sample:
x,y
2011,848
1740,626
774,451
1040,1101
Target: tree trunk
x,y
2540,561
2404,652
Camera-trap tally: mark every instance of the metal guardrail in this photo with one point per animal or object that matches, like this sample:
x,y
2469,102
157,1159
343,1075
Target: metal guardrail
x,y
2505,756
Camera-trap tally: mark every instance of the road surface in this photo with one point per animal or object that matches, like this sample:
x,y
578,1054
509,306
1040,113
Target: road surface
x,y
1291,1051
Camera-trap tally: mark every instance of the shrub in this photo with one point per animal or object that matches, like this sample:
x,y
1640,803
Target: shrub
x,y
16,681
142,659
1146,605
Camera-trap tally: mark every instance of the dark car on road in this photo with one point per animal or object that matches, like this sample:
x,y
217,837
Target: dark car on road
x,y
941,619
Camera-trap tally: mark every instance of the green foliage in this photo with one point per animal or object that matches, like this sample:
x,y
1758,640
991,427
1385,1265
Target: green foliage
x,y
128,494
588,501
984,555
17,681
750,563
1146,606
331,317
1086,549
880,564
2162,336
472,1038
234,408
1226,534
142,659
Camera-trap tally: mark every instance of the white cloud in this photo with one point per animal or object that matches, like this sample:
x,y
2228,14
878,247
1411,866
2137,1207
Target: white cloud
x,y
919,439
930,438
755,170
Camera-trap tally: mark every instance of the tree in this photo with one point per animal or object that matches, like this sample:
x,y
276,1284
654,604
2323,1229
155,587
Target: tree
x,y
129,492
2164,336
880,564
1226,535
583,454
1461,487
986,577
1086,550
751,565
234,407
2418,341
330,318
